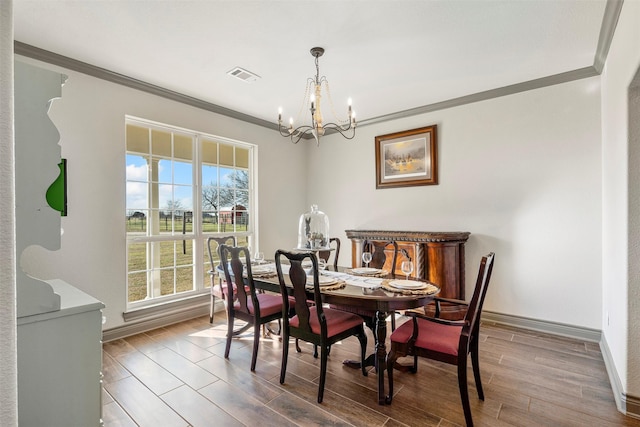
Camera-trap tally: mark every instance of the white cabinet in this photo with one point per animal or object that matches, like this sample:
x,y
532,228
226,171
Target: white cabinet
x,y
59,362
59,327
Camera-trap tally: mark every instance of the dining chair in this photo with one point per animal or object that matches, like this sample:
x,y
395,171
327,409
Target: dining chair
x,y
217,290
254,308
448,341
334,242
315,324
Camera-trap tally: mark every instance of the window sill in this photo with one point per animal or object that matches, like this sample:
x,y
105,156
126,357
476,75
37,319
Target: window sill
x,y
167,308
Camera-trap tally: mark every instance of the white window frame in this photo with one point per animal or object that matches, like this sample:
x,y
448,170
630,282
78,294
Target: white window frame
x,y
197,236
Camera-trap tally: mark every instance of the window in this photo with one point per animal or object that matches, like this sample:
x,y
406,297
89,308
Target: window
x,y
181,187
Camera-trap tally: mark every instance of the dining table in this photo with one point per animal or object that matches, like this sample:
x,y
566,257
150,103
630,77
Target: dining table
x,y
361,292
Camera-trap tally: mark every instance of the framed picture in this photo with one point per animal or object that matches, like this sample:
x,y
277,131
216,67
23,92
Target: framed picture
x,y
408,158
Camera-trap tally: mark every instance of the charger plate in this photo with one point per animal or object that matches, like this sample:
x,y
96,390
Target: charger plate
x,y
429,289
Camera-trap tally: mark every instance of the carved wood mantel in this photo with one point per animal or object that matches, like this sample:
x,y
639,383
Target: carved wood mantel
x,y
438,256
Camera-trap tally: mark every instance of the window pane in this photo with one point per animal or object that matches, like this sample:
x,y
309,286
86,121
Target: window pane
x,y
242,158
161,143
137,139
182,173
137,284
167,257
164,171
209,175
136,167
209,152
183,197
183,147
184,279
165,197
137,257
184,254
137,221
209,222
166,282
226,154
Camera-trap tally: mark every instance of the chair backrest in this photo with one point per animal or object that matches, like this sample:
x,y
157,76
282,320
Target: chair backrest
x,y
235,269
335,242
378,255
472,317
298,279
213,246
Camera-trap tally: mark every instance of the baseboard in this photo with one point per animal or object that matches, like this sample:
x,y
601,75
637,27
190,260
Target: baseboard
x,y
570,331
627,404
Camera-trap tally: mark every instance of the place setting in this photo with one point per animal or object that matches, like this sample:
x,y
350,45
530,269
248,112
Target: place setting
x,y
406,286
367,271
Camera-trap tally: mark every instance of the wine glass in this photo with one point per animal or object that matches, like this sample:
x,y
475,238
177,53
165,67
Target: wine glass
x,y
322,264
366,258
407,268
259,257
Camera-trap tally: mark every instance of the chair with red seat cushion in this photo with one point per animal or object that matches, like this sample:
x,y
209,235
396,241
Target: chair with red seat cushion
x,y
315,324
218,284
448,341
254,308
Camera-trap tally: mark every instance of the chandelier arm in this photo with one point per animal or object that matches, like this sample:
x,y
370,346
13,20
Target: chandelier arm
x,y
295,134
339,127
343,132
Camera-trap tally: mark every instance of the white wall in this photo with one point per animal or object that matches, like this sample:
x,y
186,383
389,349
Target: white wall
x,y
619,287
90,118
522,173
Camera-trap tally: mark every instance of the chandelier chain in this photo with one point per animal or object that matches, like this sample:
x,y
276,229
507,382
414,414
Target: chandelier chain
x,y
333,110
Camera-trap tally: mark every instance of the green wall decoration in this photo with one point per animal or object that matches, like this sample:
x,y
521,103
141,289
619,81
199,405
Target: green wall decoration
x,y
57,192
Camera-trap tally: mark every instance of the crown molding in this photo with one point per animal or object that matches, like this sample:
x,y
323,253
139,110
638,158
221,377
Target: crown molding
x,y
612,12
113,77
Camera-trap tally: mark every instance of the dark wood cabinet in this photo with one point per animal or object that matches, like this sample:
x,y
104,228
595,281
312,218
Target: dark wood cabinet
x,y
438,257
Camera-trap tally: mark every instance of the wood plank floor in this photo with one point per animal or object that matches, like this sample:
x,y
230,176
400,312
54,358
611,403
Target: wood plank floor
x,y
177,376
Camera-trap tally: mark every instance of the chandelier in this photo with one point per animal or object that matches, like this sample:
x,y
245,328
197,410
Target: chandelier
x,y
312,96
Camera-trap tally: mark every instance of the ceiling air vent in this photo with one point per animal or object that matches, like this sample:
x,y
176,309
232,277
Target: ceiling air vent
x,y
244,75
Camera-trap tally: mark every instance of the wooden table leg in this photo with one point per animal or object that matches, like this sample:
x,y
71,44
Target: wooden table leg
x,y
381,353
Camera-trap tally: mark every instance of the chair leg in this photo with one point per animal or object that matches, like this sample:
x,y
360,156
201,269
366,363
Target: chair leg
x,y
475,362
393,320
285,355
464,392
323,371
230,319
391,361
362,337
299,350
315,351
213,303
256,344
414,368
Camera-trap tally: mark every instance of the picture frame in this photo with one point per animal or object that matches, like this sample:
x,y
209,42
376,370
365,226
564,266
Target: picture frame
x,y
408,158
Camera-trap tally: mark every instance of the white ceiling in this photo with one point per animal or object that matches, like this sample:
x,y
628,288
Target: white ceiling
x,y
388,56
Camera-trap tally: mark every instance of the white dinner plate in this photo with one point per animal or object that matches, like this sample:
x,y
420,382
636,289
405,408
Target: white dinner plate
x,y
407,284
324,280
366,270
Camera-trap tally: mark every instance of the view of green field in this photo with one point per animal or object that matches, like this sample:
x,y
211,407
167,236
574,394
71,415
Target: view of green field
x,y
176,257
